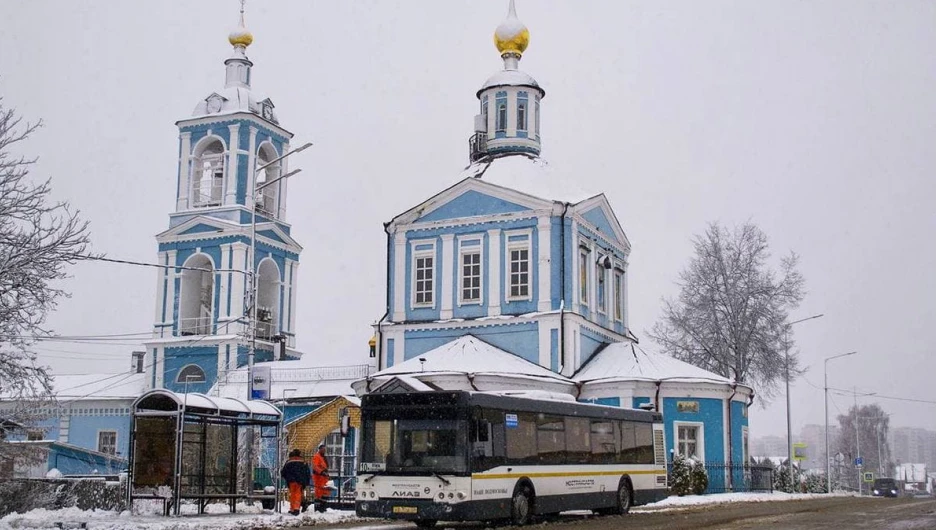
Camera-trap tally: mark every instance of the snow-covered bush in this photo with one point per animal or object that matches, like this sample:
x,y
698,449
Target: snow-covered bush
x,y
688,476
816,483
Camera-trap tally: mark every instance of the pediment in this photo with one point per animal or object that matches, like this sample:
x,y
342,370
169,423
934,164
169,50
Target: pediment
x,y
471,197
598,213
203,227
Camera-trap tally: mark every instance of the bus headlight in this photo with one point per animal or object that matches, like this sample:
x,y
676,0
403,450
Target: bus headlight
x,y
461,495
363,506
441,495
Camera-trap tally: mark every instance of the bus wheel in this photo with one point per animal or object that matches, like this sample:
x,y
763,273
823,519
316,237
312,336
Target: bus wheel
x,y
625,497
521,506
426,523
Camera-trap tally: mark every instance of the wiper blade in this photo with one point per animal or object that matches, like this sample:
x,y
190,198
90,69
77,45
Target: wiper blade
x,y
443,479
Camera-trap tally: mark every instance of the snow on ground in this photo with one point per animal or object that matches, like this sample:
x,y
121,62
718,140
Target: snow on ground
x,y
217,518
676,503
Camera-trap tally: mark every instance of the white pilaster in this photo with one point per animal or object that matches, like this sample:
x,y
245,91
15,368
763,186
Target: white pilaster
x,y
494,272
512,113
251,201
224,281
292,303
185,153
170,287
239,283
543,264
626,311
447,281
543,327
230,180
576,275
160,367
283,184
399,277
161,274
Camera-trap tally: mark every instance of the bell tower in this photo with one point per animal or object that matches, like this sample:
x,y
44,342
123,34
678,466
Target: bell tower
x,y
230,152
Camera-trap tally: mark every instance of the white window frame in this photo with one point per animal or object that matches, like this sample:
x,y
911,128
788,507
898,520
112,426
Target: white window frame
x,y
601,289
510,246
416,255
522,116
100,448
617,287
700,437
477,247
180,380
199,169
501,125
584,259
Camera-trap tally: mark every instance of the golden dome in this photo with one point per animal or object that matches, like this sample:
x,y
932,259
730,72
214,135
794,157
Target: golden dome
x,y
241,36
511,36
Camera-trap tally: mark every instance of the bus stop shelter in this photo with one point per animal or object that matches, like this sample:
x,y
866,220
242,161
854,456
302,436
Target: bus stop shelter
x,y
189,447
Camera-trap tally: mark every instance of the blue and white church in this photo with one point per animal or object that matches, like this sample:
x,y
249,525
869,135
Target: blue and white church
x,y
228,149
515,278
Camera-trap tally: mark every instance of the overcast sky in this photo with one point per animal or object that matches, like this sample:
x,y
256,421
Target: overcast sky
x,y
815,120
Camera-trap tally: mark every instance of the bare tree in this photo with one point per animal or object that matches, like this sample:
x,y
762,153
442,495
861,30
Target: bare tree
x,y
731,314
872,425
38,239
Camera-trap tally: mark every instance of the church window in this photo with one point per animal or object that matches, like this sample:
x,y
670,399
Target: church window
x,y
583,277
600,274
689,440
423,275
502,116
268,298
196,296
470,271
522,105
266,197
208,174
518,261
618,296
107,442
484,110
536,116
191,373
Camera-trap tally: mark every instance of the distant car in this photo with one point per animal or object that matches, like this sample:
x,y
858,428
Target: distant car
x,y
885,487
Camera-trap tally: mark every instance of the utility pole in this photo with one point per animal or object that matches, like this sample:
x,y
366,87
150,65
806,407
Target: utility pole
x,y
857,442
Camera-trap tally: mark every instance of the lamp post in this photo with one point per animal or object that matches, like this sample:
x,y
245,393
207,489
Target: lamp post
x,y
789,426
826,389
252,323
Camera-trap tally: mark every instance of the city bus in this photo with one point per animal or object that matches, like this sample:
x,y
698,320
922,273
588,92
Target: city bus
x,y
479,456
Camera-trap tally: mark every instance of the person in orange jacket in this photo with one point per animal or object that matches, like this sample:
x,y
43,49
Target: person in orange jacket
x,y
320,477
296,474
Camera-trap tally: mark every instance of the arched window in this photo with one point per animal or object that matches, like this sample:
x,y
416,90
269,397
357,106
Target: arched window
x,y
501,116
268,291
208,174
266,198
521,115
191,373
196,296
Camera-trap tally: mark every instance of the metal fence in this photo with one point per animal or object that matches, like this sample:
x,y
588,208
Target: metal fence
x,y
734,476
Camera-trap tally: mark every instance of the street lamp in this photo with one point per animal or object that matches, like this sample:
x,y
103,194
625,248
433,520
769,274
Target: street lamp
x,y
789,427
826,388
252,324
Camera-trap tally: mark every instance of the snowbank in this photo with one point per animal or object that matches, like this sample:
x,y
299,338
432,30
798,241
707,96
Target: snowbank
x,y
675,502
217,518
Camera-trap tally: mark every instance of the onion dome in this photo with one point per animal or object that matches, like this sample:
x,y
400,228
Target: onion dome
x,y
241,36
511,37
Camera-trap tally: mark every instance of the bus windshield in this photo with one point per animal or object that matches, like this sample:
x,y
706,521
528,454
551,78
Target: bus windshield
x,y
410,445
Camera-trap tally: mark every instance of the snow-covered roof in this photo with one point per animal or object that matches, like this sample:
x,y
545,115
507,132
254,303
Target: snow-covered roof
x,y
468,354
530,175
234,99
294,381
510,78
622,361
125,385
194,400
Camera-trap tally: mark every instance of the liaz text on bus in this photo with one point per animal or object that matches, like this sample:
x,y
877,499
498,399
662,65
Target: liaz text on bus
x,y
454,456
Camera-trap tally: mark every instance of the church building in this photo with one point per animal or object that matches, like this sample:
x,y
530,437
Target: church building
x,y
515,279
227,196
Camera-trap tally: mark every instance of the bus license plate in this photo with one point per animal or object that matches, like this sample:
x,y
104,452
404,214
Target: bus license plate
x,y
404,509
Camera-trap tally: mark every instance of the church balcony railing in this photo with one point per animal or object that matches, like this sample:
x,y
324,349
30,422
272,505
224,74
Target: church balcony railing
x,y
266,331
209,195
266,202
477,146
195,326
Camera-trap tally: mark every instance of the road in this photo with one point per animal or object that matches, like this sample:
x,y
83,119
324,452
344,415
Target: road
x,y
814,514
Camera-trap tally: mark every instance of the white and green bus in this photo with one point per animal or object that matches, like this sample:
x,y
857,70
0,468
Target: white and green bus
x,y
466,456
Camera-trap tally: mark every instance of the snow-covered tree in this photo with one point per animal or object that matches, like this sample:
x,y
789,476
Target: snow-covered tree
x,y
731,314
38,239
873,425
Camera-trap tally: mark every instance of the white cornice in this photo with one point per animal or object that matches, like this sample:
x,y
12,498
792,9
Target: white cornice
x,y
227,229
239,115
602,202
